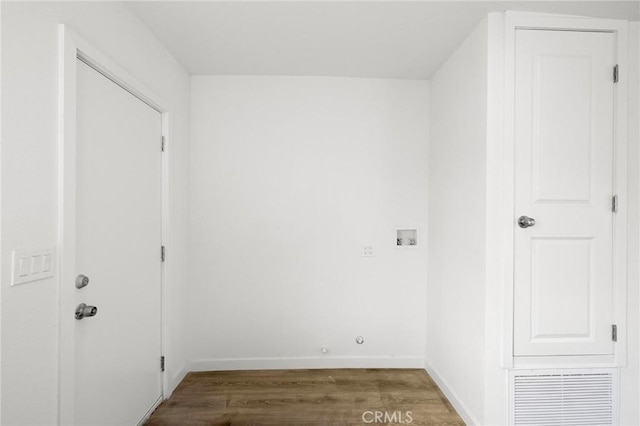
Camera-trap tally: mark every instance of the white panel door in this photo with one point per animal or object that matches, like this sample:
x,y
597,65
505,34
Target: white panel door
x,y
117,370
564,137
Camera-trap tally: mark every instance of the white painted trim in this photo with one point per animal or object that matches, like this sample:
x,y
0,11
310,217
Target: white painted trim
x,y
621,189
106,72
519,20
578,361
167,240
540,21
70,46
175,380
1,215
66,221
498,212
453,398
637,119
150,412
211,364
116,73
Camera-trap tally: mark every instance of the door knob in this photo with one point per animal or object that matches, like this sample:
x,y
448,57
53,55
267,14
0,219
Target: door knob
x,y
83,310
526,221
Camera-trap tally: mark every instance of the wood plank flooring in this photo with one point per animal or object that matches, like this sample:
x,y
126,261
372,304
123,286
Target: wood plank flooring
x,y
307,397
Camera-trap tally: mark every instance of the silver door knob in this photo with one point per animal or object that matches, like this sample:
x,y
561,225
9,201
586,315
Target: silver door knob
x,y
83,310
526,221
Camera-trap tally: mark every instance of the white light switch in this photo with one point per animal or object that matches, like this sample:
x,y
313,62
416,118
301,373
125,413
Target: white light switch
x,y
24,267
46,263
36,264
32,265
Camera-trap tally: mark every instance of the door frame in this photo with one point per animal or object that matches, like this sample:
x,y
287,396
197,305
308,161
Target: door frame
x,y
72,48
503,224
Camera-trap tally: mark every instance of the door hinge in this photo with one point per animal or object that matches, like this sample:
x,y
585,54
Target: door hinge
x,y
162,143
614,204
614,332
162,363
162,254
615,73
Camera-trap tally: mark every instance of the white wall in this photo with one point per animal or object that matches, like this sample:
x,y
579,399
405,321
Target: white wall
x,y
466,358
289,177
29,184
496,395
630,374
457,202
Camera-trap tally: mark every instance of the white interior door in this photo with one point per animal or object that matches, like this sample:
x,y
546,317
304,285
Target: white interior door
x,y
564,99
117,370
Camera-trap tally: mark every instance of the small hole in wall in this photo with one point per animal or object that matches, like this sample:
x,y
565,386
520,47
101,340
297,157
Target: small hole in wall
x,y
406,237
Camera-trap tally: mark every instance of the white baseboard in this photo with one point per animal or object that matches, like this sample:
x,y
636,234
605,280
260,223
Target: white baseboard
x,y
459,406
175,380
303,363
150,412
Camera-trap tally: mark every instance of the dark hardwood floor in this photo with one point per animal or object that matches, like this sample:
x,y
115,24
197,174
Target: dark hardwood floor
x,y
307,397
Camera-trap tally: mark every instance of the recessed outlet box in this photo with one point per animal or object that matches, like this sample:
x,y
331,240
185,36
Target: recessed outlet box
x,y
32,265
406,237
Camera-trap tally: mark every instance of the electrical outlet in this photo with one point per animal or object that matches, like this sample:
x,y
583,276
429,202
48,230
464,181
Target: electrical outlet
x,y
367,250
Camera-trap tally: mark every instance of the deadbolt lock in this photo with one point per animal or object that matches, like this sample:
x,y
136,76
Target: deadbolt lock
x,y
82,281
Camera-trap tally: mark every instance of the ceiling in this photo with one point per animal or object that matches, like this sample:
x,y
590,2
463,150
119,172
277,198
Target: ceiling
x,y
381,39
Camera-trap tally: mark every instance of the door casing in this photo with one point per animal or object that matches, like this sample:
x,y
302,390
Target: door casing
x,y
70,47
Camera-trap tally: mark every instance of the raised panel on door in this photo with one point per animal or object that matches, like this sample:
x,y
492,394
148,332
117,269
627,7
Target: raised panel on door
x,y
117,359
564,180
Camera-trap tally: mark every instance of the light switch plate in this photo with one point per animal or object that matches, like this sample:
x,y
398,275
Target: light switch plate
x,y
32,265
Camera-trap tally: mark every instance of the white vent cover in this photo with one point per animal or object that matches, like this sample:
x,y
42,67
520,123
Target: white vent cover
x,y
564,397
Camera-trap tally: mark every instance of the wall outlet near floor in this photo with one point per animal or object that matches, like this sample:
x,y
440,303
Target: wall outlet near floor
x,y
367,250
32,265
